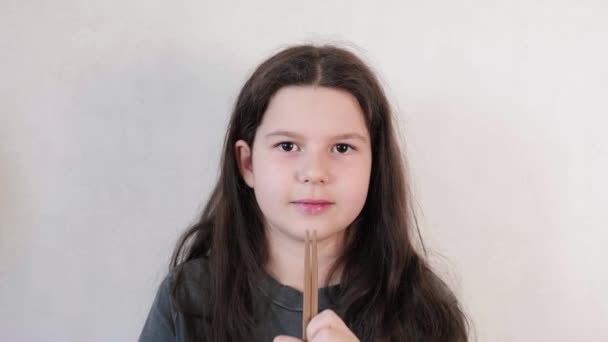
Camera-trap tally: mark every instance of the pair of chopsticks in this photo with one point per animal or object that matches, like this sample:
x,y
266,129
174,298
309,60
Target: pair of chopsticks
x,y
311,289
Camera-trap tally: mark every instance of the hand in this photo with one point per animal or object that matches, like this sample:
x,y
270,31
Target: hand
x,y
325,327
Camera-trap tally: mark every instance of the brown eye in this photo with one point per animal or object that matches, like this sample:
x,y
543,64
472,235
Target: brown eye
x,y
342,148
286,146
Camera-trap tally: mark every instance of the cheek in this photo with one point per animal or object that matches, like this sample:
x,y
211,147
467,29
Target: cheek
x,y
271,181
355,186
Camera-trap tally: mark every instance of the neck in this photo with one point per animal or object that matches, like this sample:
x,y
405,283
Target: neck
x,y
286,258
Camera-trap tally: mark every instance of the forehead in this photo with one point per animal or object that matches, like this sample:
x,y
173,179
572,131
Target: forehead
x,y
314,110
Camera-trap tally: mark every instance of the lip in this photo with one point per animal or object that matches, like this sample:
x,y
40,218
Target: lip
x,y
312,207
312,201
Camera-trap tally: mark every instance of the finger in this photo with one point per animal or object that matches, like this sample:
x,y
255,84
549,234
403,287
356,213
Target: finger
x,y
283,338
328,335
326,320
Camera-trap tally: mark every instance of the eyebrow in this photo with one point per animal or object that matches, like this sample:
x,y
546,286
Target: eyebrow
x,y
298,136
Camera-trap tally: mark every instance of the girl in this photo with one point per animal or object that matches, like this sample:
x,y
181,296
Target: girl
x,y
310,145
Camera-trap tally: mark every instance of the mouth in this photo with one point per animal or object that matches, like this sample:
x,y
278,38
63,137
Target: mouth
x,y
312,207
313,201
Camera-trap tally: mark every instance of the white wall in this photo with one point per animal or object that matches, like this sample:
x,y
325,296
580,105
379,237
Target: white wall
x,y
112,115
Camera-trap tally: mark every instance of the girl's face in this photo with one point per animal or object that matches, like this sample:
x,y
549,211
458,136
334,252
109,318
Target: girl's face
x,y
312,145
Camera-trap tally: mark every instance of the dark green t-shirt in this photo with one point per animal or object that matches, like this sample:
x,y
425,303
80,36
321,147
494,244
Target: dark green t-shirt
x,y
278,308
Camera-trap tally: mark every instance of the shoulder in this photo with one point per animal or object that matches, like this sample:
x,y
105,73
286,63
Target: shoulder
x,y
188,285
191,272
188,281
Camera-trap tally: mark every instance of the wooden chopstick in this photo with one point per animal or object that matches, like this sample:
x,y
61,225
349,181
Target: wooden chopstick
x,y
311,289
314,296
306,304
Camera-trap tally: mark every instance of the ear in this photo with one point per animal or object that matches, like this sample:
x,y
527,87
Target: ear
x,y
244,161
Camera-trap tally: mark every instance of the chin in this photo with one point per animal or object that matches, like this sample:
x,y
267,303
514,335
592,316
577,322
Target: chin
x,y
322,232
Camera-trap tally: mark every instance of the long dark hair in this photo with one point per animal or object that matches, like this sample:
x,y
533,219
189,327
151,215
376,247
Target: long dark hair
x,y
392,293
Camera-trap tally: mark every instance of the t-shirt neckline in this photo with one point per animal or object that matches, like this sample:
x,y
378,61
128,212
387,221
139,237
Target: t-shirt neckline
x,y
290,298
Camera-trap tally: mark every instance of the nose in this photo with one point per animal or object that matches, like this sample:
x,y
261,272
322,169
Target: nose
x,y
315,168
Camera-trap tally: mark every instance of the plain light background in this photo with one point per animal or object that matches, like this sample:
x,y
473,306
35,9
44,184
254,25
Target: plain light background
x,y
112,115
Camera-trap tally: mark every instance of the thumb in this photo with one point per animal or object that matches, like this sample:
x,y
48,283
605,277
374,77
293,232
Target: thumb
x,y
284,338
